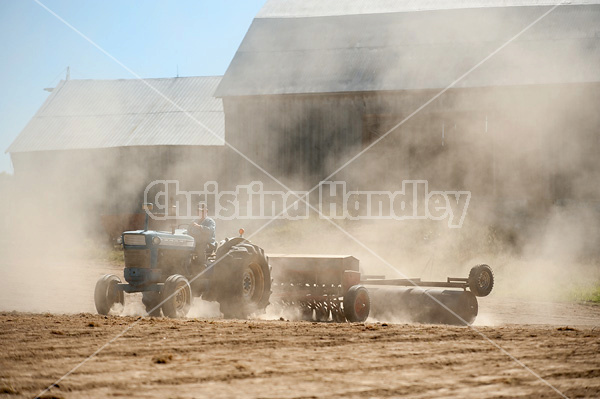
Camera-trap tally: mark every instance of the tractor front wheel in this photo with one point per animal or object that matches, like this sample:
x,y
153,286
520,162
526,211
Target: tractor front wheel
x,y
176,297
106,293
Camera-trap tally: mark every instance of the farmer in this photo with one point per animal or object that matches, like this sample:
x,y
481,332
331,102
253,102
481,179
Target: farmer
x,y
203,231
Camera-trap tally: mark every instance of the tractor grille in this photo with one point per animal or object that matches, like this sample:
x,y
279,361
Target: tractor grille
x,y
137,258
134,239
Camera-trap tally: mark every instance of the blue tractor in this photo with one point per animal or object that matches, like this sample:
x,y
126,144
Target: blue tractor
x,y
168,269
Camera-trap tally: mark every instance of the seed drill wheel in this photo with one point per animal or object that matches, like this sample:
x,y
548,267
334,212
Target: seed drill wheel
x,y
106,293
151,300
481,280
357,304
244,280
177,296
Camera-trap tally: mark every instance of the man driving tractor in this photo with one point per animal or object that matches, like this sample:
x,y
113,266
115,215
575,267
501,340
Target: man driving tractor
x,y
203,231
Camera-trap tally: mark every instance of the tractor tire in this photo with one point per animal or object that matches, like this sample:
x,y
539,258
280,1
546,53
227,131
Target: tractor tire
x,y
481,280
176,297
106,294
151,300
357,304
243,281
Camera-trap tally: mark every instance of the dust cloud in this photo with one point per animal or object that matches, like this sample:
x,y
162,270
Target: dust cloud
x,y
527,153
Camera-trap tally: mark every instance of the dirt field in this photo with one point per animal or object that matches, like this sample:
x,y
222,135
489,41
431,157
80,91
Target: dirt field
x,y
210,357
161,358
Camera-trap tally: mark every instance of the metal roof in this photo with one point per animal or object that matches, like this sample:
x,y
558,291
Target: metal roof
x,y
415,50
119,113
320,8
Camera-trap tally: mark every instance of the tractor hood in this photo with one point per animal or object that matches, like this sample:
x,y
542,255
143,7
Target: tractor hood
x,y
159,238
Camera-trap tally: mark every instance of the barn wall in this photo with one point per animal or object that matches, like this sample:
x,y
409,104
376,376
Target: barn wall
x,y
526,143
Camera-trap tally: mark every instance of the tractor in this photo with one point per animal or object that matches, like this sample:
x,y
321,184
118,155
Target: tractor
x,y
167,269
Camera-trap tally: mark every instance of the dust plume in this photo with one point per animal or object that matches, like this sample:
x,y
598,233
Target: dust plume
x,y
525,151
524,146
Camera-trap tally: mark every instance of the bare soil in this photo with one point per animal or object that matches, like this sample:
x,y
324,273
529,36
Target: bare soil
x,y
158,358
211,357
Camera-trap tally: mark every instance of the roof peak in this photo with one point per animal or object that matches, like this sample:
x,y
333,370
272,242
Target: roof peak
x,y
88,113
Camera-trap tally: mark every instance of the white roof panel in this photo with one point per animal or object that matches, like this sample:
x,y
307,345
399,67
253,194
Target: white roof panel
x,y
415,50
130,112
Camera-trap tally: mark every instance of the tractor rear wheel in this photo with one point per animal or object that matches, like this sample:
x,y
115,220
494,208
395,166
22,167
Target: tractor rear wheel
x,y
357,304
244,281
481,280
106,293
176,296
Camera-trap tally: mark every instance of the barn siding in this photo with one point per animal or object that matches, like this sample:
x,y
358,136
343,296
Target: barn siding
x,y
300,139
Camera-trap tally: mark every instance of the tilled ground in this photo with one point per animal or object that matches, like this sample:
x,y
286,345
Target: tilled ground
x,y
161,358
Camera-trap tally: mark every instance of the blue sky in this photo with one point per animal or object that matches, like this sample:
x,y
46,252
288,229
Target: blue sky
x,y
149,37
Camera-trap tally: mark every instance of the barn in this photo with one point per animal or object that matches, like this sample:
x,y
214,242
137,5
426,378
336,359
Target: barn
x,y
101,142
496,97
